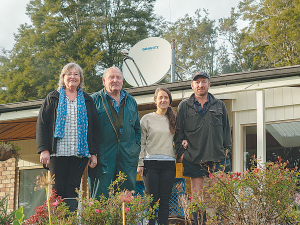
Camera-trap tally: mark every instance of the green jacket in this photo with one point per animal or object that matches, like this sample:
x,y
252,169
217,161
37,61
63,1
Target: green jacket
x,y
208,137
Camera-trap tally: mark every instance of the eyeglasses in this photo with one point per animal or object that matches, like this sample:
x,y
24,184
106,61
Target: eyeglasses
x,y
70,74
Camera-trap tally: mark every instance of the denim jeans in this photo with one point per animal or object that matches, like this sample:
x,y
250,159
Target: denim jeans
x,y
159,177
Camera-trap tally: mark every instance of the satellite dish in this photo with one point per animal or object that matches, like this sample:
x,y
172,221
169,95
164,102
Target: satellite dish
x,y
147,62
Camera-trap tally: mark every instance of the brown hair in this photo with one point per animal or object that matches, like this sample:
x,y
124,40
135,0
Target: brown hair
x,y
170,114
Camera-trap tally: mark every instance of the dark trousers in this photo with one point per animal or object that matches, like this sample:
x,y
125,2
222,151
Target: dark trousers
x,y
68,171
159,177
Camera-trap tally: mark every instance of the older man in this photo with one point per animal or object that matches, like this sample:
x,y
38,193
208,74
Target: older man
x,y
119,135
203,141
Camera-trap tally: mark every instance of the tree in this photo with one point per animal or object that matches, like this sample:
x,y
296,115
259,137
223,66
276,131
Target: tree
x,y
228,29
195,42
272,38
89,32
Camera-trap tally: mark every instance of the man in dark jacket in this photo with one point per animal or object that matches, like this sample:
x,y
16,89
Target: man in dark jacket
x,y
120,136
203,141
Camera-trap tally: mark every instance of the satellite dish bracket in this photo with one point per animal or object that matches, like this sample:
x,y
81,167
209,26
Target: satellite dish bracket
x,y
140,73
130,71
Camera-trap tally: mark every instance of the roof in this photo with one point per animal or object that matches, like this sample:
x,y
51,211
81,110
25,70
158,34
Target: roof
x,y
225,79
23,127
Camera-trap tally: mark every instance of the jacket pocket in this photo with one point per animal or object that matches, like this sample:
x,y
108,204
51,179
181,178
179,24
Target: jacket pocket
x,y
192,122
216,117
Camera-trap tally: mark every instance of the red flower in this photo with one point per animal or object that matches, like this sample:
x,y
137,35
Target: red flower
x,y
256,170
210,175
238,174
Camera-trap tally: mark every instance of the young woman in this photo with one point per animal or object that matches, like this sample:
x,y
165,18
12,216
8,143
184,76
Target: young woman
x,y
157,157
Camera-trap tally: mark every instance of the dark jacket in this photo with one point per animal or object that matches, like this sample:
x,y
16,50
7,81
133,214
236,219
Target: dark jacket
x,y
130,140
208,137
45,125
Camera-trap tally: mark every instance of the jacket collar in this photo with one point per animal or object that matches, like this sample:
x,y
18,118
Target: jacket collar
x,y
191,100
102,92
55,94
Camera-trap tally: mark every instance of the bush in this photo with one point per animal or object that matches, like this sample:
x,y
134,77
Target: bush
x,y
261,195
108,211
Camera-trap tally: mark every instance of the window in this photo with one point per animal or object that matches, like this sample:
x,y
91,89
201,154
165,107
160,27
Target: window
x,y
282,140
28,198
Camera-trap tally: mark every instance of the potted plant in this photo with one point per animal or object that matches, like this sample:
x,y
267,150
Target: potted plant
x,y
8,150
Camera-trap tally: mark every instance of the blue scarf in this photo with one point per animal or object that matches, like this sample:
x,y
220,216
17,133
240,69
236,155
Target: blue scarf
x,y
82,121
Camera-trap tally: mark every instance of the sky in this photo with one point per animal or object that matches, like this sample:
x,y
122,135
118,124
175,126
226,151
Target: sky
x,y
12,13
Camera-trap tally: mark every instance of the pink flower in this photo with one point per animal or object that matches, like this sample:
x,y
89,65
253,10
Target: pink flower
x,y
210,175
55,203
127,209
231,175
256,170
238,174
126,196
97,210
91,203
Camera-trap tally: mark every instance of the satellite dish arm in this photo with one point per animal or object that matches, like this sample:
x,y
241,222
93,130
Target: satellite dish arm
x,y
179,76
130,71
184,69
141,75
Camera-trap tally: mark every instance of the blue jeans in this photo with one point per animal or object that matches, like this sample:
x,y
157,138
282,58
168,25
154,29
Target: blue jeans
x,y
159,177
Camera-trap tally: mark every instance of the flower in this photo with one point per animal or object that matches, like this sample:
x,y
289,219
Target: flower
x,y
97,210
238,174
210,175
256,170
126,196
127,209
55,203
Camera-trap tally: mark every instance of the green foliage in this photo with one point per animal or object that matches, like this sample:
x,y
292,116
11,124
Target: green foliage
x,y
90,32
108,211
19,216
272,37
262,195
5,216
195,42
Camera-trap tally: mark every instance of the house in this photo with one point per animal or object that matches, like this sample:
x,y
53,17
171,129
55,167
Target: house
x,y
264,113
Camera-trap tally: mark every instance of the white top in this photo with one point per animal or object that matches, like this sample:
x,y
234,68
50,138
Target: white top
x,y
68,145
156,138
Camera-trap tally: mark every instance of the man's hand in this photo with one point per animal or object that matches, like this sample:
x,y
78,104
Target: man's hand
x,y
92,162
184,144
45,157
140,170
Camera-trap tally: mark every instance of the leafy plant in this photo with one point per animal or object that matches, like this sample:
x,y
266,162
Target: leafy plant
x,y
265,194
8,150
108,211
5,216
19,216
58,211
